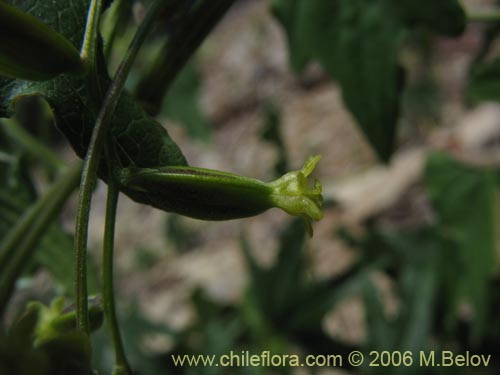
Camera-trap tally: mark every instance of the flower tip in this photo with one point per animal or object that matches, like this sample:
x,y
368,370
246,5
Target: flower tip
x,y
310,164
291,194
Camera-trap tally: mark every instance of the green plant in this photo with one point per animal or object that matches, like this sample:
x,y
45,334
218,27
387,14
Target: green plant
x,y
111,125
358,43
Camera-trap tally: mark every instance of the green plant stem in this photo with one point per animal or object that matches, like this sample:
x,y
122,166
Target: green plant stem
x,y
92,159
108,293
32,145
89,45
20,244
88,52
485,16
192,29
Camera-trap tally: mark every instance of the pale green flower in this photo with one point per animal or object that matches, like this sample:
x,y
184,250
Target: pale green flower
x,y
292,195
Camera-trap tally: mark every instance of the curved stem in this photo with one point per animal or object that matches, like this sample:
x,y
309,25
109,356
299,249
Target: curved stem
x,y
94,152
179,47
32,145
89,45
108,293
18,246
88,52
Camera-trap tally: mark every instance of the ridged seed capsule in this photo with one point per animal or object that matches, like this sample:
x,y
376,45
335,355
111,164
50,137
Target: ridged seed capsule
x,y
214,195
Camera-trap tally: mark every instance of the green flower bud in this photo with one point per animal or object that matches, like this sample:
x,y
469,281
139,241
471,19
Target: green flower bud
x,y
213,195
31,50
54,323
54,337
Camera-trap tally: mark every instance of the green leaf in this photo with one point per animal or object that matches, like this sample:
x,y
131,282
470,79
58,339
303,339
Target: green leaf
x,y
17,193
357,42
54,251
380,331
136,329
466,203
484,82
289,271
67,349
367,68
419,282
417,286
321,297
291,14
17,343
283,297
276,288
30,49
37,343
445,17
136,137
271,133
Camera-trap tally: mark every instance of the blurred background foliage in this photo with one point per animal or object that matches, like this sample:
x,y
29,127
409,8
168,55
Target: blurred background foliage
x,y
409,249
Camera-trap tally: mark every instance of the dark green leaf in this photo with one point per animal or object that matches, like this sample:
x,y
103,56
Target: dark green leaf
x,y
276,288
484,82
291,14
30,49
137,138
367,68
271,133
417,287
466,203
17,343
17,193
418,281
320,298
282,297
67,349
357,42
36,344
445,17
380,332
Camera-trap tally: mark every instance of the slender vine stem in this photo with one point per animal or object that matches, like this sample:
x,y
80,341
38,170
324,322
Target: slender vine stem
x,y
20,243
185,38
92,159
89,45
32,145
108,293
88,52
